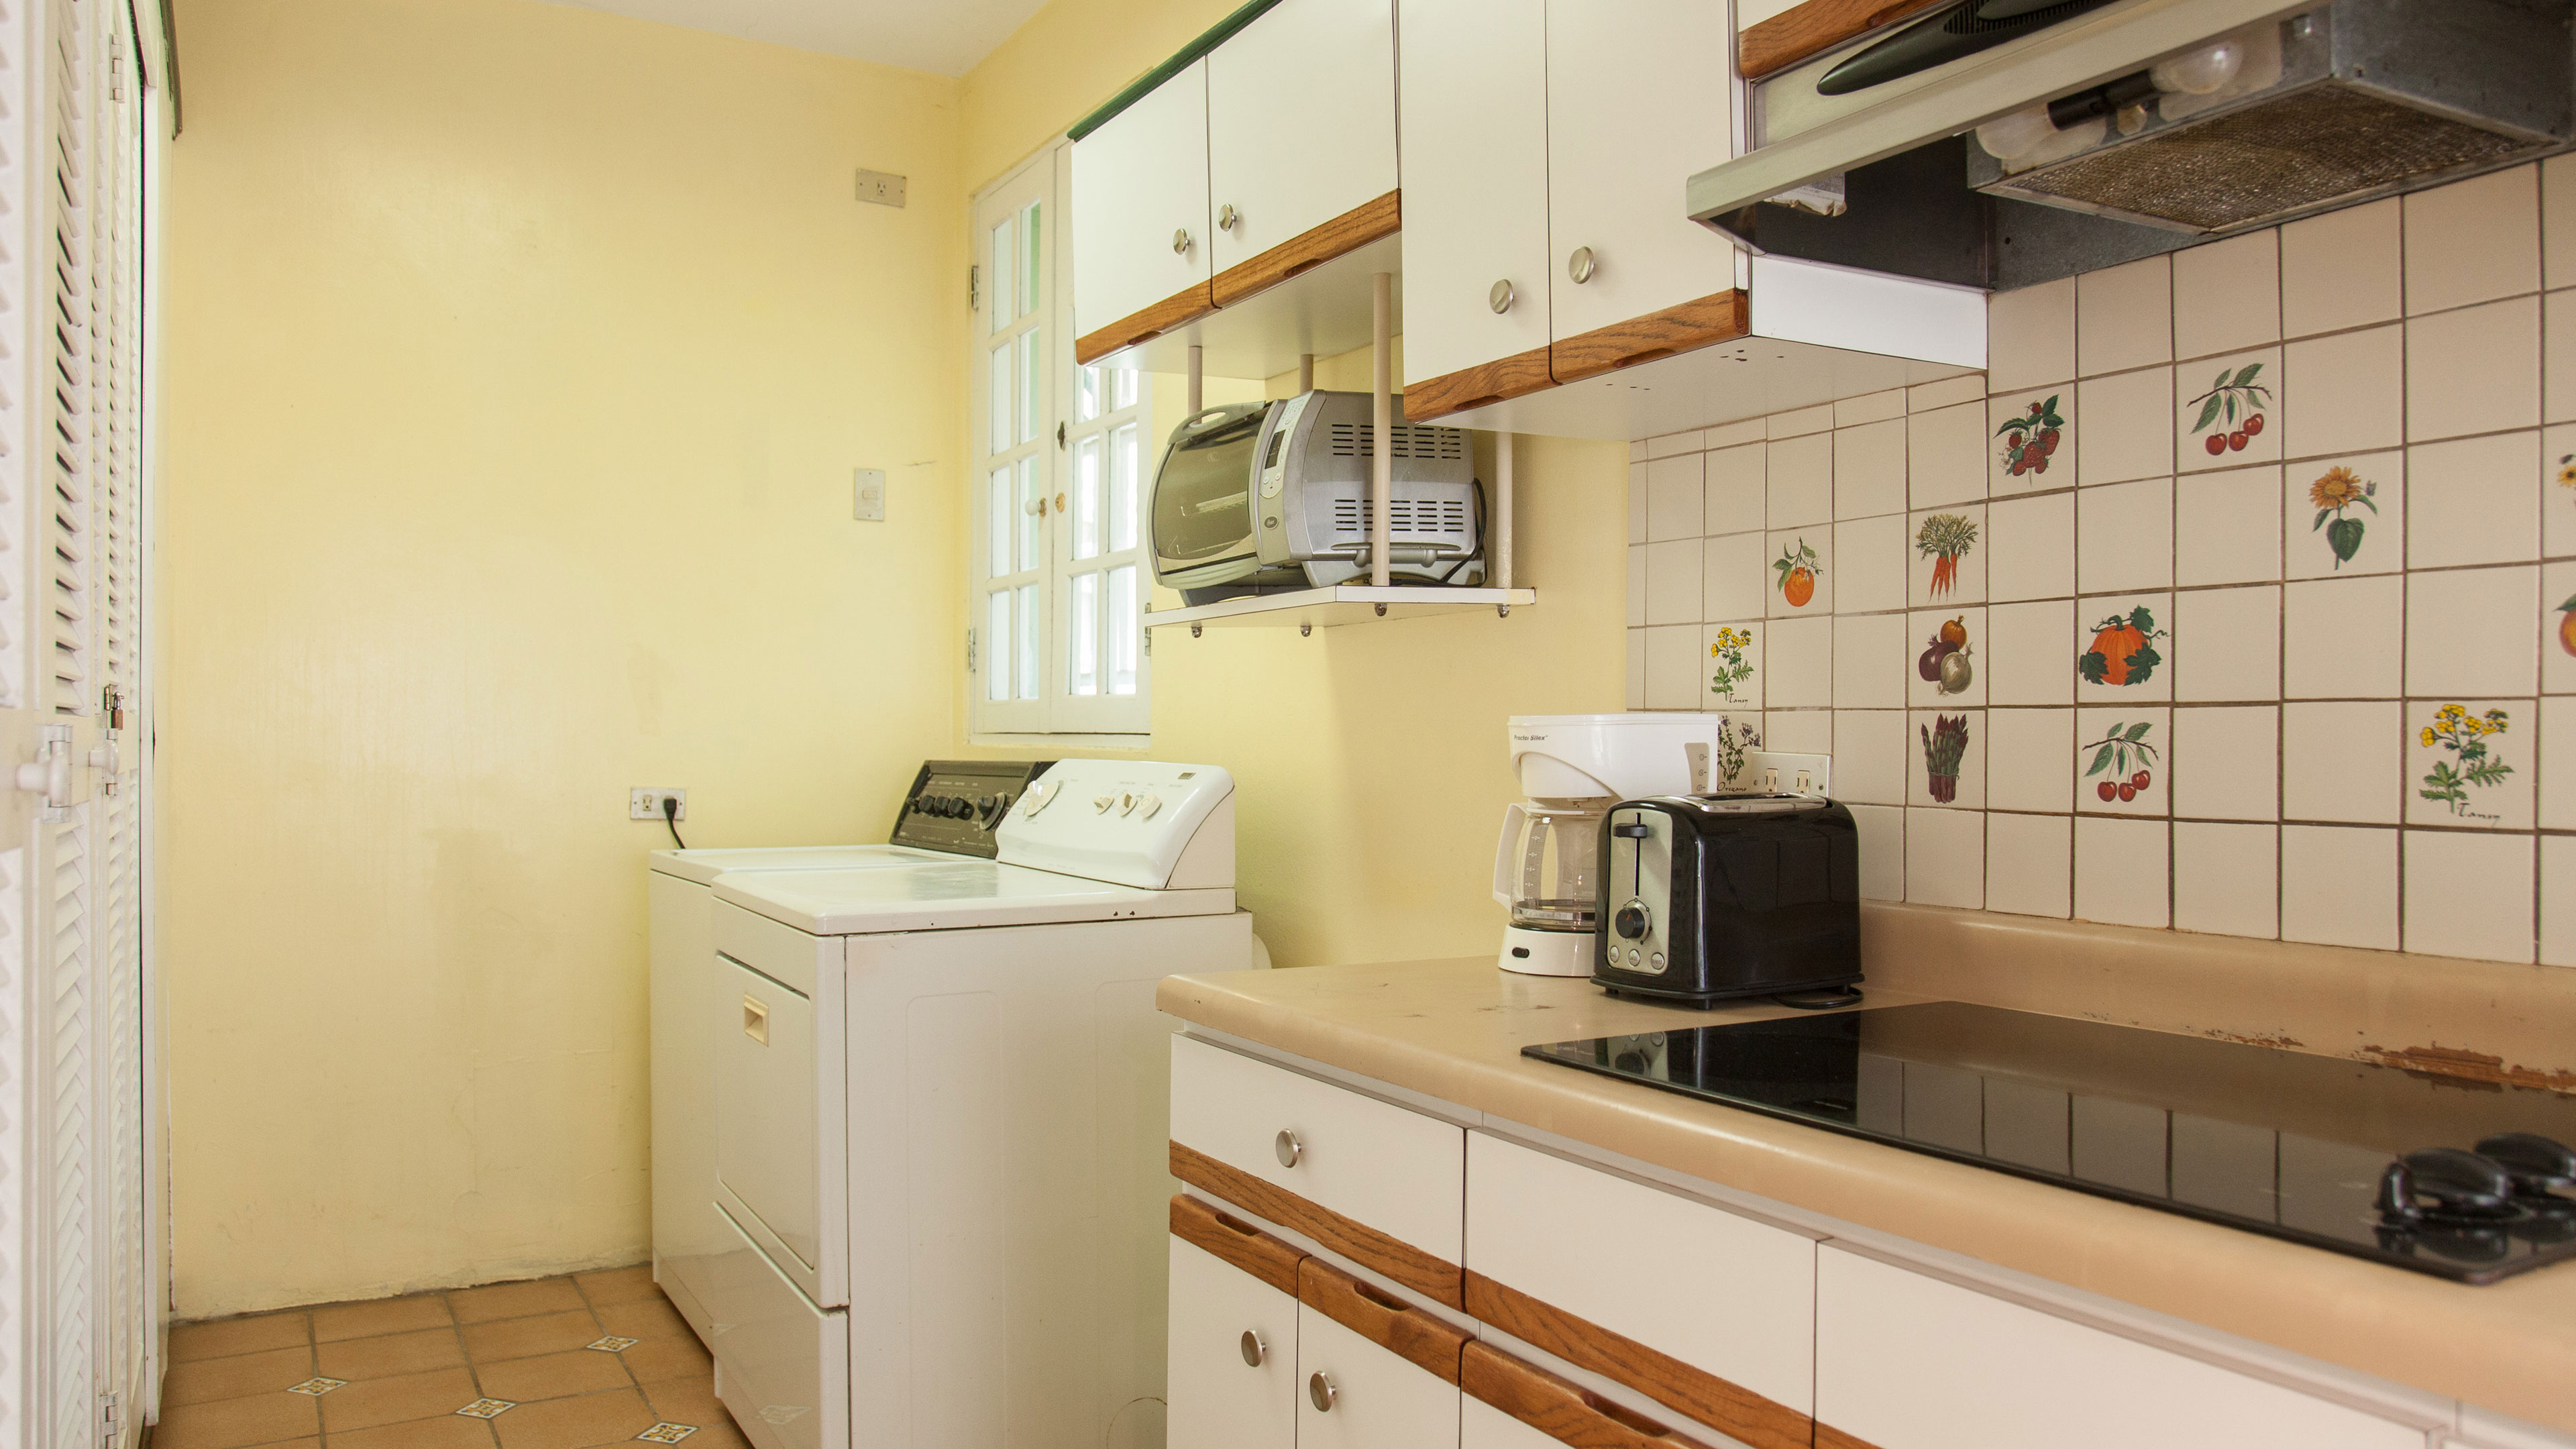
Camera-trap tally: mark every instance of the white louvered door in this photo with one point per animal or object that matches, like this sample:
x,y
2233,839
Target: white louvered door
x,y
76,1306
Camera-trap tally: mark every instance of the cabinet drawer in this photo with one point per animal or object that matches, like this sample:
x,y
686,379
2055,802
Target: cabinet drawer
x,y
1372,1181
1904,1361
1697,1308
1372,1398
1513,1405
1221,1395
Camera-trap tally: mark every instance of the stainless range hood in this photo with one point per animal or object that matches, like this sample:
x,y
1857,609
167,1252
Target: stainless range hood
x,y
2142,127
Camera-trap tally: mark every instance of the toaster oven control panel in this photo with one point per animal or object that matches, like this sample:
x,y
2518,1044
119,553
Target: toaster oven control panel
x,y
1637,893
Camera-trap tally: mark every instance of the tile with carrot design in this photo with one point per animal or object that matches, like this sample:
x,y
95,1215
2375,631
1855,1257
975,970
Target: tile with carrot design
x,y
2123,761
2468,762
2345,516
1948,559
2228,411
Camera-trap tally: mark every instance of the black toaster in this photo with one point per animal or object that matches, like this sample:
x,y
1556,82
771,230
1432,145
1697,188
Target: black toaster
x,y
1707,897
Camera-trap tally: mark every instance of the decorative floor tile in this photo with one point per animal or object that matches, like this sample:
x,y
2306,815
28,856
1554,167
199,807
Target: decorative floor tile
x,y
317,1387
487,1408
667,1433
613,1344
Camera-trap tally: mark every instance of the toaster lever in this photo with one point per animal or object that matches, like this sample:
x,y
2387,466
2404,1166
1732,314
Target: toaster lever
x,y
1635,830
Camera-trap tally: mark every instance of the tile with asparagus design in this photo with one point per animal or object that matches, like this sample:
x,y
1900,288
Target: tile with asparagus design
x,y
1949,759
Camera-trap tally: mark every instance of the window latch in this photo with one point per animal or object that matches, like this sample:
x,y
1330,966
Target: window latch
x,y
1059,435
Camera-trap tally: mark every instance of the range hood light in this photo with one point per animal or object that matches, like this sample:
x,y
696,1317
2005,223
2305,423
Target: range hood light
x,y
2009,138
2200,72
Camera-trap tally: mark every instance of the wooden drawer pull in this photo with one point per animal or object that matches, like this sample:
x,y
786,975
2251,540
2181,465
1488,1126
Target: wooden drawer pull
x,y
1651,354
1381,1318
1563,1411
1236,1242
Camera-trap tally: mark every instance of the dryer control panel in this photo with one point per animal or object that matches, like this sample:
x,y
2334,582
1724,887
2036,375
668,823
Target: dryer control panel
x,y
1131,822
955,805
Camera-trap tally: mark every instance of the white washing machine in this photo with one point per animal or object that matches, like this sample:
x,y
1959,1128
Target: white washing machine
x,y
942,1128
948,813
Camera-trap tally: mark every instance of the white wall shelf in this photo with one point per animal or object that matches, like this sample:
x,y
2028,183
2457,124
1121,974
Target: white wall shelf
x,y
1342,604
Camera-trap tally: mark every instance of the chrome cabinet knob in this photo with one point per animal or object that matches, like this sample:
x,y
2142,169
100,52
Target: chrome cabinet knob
x,y
1321,1393
1501,296
1254,1350
1580,266
1181,242
1288,1148
1226,217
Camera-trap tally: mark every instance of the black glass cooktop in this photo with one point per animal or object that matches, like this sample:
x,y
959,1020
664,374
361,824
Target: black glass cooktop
x,y
2337,1154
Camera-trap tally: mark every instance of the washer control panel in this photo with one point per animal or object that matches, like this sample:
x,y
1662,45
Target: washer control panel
x,y
956,805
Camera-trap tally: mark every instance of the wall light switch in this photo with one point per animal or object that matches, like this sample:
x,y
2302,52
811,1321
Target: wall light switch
x,y
871,498
881,188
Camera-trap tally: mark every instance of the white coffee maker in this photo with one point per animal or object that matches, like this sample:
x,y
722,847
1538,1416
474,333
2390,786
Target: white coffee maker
x,y
1574,767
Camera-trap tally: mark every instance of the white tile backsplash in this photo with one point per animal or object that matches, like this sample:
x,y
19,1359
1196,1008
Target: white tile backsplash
x,y
2384,555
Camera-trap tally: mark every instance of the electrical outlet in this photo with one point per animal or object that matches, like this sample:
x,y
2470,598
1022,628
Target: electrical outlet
x,y
881,188
644,802
871,495
1783,771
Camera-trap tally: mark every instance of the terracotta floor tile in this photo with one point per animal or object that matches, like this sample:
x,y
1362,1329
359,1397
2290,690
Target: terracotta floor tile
x,y
392,1355
233,1423
668,1358
224,1337
393,1401
575,1423
207,1380
528,1337
646,1318
686,1401
618,1285
553,1376
514,1300
384,1315
450,1431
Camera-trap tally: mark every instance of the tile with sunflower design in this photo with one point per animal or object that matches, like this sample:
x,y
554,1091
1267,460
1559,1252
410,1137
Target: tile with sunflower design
x,y
2558,491
2468,762
2342,516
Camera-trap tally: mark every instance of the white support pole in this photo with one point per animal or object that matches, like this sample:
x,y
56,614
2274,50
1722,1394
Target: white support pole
x,y
1305,373
1382,413
1501,543
1198,381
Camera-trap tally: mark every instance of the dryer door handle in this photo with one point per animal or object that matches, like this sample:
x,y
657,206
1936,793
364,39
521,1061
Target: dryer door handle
x,y
755,1019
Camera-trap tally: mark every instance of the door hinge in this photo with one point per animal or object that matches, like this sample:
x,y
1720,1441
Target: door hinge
x,y
970,651
974,287
107,1418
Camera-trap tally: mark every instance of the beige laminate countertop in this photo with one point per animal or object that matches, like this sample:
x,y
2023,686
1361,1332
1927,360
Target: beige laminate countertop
x,y
1454,1029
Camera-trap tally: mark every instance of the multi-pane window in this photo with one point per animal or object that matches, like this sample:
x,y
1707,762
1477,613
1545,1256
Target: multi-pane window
x,y
1057,614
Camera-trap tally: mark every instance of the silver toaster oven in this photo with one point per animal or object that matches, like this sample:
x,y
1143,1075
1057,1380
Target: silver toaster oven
x,y
1275,495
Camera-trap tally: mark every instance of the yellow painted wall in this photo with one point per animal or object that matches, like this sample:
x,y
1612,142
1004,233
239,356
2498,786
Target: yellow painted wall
x,y
518,357
1370,761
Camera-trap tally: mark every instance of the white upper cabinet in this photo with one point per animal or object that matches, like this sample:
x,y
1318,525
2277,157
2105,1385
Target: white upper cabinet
x,y
1475,182
1639,96
1300,123
1140,204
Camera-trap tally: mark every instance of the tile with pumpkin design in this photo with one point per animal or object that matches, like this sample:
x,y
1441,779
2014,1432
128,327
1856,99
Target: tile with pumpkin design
x,y
2124,648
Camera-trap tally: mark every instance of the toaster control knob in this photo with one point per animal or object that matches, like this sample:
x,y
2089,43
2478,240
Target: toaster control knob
x,y
1631,920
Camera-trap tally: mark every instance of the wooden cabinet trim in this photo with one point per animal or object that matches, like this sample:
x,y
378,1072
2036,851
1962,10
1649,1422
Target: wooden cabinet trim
x,y
1182,307
1399,1328
1563,1411
1236,1242
1344,234
1439,1281
1505,378
1814,27
1721,317
1729,1408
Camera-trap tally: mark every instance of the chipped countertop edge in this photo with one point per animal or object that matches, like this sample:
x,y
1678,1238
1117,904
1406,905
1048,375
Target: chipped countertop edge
x,y
1452,1030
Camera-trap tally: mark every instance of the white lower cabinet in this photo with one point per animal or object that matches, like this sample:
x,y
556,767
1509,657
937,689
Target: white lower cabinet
x,y
1223,1395
1482,1426
1904,1361
1370,1398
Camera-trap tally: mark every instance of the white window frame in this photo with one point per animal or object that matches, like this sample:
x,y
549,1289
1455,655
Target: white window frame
x,y
1042,446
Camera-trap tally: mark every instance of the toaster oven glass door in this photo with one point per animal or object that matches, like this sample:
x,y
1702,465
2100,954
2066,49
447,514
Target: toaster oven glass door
x,y
1203,498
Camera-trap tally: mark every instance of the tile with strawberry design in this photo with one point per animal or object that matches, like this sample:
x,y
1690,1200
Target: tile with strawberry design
x,y
2029,434
2227,411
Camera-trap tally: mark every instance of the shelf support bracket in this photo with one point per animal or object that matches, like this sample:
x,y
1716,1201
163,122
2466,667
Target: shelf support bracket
x,y
1305,373
1382,413
1198,381
1501,543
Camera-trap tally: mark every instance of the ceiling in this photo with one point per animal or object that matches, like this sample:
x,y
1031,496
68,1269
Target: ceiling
x,y
945,37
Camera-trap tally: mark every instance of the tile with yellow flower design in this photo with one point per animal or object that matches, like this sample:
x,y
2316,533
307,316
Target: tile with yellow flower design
x,y
2344,516
2558,491
2468,762
1731,658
